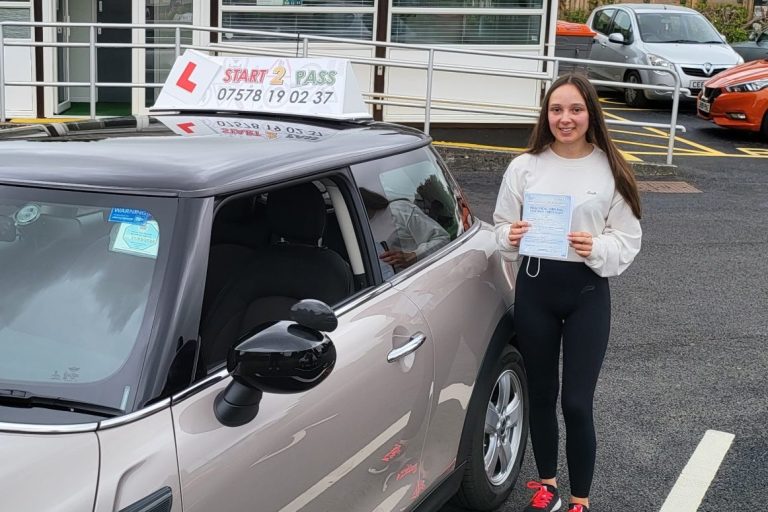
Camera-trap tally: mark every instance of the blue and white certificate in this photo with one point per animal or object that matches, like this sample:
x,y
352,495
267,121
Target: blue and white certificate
x,y
549,216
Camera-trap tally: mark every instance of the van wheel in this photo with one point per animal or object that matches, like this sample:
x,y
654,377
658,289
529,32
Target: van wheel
x,y
634,97
498,436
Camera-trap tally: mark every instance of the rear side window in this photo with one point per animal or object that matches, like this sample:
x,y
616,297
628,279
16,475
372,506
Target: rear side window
x,y
413,206
602,21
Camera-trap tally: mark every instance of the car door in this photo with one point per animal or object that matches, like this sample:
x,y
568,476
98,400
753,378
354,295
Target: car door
x,y
618,52
601,23
452,280
352,443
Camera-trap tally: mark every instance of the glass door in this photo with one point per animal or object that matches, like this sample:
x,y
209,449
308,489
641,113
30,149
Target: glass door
x,y
160,61
63,95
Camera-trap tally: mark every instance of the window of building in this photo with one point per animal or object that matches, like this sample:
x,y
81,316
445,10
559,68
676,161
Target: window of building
x,y
513,22
336,18
20,13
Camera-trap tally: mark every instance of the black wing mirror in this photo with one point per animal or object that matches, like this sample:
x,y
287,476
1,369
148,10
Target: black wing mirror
x,y
286,357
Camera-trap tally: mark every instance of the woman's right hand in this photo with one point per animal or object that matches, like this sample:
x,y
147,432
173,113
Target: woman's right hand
x,y
516,231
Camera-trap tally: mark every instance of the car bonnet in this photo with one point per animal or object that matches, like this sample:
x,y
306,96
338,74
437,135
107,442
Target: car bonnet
x,y
694,54
753,70
48,471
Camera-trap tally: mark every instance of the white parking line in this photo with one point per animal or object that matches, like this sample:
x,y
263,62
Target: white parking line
x,y
693,482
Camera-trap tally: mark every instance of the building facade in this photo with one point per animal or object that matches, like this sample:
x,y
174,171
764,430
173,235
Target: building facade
x,y
511,27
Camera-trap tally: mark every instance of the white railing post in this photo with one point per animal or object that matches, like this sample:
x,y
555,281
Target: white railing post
x,y
2,75
305,48
428,106
673,120
92,73
178,42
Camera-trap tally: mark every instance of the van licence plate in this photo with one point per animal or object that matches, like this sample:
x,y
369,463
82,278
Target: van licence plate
x,y
698,84
704,106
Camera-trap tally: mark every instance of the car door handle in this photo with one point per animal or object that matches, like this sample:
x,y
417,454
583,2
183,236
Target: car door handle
x,y
414,342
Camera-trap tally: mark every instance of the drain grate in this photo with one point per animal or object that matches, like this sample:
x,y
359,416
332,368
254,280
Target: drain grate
x,y
667,187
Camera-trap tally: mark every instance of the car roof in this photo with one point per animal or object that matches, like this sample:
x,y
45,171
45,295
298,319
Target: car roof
x,y
653,7
189,155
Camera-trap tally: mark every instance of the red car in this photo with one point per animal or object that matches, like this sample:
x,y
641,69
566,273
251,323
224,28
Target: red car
x,y
738,97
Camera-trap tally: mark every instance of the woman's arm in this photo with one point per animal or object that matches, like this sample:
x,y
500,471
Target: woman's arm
x,y
616,247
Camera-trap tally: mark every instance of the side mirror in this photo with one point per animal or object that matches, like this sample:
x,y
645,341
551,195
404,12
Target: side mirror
x,y
286,357
617,38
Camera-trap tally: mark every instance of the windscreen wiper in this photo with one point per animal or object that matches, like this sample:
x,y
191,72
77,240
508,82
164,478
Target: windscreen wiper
x,y
684,41
19,398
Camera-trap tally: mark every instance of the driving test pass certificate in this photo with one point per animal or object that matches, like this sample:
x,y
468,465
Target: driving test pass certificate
x,y
549,216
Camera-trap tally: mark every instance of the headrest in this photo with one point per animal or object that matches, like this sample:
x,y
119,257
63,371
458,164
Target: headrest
x,y
297,213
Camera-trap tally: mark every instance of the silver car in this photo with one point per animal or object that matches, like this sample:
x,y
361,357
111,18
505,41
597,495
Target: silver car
x,y
670,37
229,313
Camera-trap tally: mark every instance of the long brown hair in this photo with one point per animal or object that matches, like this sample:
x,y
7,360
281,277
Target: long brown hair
x,y
597,134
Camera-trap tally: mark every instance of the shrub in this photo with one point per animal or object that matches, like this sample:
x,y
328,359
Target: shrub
x,y
728,19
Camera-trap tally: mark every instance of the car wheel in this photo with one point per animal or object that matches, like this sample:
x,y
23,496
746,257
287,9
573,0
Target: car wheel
x,y
764,126
498,436
634,97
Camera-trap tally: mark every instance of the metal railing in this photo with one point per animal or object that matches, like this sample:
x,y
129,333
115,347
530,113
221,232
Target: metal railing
x,y
550,66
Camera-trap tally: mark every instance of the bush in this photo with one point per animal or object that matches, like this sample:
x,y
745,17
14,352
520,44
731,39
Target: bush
x,y
729,19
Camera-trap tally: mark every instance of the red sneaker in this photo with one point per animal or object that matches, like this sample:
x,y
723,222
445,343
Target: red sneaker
x,y
546,498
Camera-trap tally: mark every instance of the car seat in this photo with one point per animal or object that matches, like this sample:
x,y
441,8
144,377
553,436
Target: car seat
x,y
292,268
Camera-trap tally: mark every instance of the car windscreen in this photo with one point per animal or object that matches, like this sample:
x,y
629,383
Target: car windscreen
x,y
80,273
674,27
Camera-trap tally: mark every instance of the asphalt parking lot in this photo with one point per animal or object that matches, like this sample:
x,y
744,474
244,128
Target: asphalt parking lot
x,y
690,330
704,143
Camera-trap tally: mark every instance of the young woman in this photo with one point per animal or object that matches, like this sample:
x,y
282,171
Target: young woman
x,y
567,301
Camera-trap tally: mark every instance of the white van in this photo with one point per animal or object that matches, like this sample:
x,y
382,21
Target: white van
x,y
667,36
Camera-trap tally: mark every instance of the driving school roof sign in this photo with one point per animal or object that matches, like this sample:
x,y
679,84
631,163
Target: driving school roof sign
x,y
305,87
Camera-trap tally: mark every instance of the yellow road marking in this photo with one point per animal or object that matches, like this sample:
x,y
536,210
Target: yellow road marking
x,y
651,135
468,145
711,151
656,146
42,120
629,157
756,152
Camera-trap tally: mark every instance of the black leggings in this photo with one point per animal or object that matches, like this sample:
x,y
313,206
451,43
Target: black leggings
x,y
567,301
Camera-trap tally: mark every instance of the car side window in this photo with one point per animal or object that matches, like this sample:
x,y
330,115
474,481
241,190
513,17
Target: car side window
x,y
413,206
271,249
602,21
622,24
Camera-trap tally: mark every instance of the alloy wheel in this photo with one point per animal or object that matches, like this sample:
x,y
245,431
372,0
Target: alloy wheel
x,y
503,427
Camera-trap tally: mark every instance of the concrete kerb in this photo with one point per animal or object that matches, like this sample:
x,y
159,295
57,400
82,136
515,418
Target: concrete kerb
x,y
488,160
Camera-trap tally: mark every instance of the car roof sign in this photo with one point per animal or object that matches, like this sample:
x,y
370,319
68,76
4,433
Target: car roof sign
x,y
307,87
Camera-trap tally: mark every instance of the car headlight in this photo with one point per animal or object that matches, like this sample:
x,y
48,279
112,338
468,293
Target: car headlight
x,y
655,60
754,86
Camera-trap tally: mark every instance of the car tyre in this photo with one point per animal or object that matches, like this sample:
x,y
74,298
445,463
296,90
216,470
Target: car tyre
x,y
634,97
498,441
764,126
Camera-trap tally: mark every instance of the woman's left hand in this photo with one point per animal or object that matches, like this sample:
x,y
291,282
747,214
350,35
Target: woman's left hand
x,y
581,241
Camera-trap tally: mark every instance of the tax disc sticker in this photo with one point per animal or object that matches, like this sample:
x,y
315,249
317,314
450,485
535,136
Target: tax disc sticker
x,y
128,215
139,240
27,214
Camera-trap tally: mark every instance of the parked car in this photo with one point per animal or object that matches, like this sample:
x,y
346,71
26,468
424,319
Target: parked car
x,y
755,48
738,98
249,311
666,36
